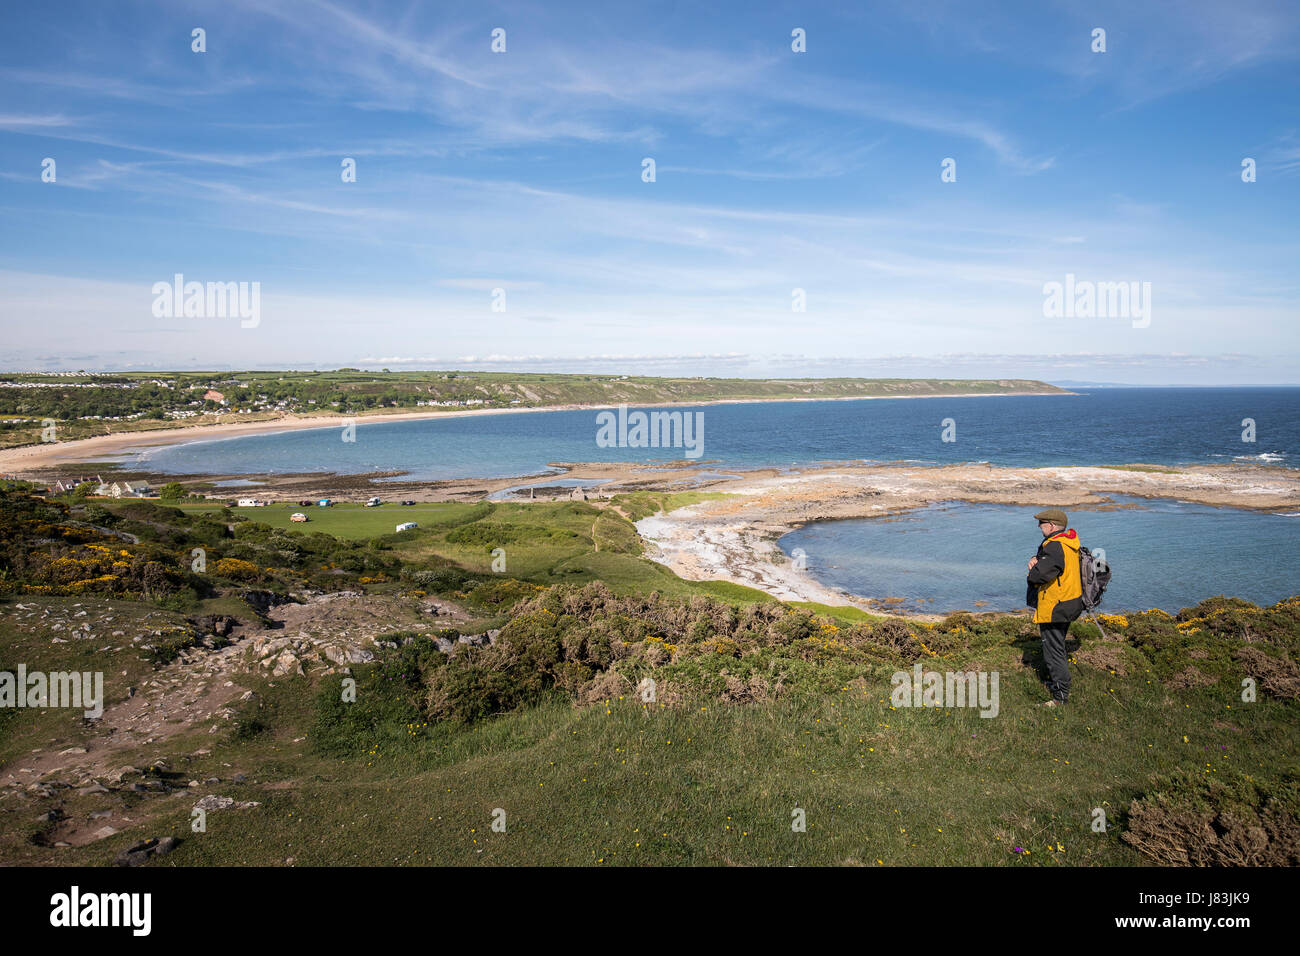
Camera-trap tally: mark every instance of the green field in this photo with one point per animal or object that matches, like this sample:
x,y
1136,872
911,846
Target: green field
x,y
346,520
543,542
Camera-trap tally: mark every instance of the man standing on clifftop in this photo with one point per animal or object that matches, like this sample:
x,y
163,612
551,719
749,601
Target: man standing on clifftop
x,y
1055,592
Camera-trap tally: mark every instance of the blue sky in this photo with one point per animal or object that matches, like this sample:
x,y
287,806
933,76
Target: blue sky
x,y
775,170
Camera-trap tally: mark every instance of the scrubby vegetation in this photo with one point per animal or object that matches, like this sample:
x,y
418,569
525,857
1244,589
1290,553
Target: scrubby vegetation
x,y
591,648
157,553
589,644
1190,818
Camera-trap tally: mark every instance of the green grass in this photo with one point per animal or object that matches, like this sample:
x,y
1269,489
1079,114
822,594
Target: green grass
x,y
843,612
700,782
622,783
544,542
626,784
354,521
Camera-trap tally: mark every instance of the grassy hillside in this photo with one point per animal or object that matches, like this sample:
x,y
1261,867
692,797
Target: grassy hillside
x,y
760,713
539,542
705,779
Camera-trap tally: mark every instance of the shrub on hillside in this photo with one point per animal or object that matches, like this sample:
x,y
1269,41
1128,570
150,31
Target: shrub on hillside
x,y
98,514
238,570
582,640
898,637
587,643
1203,646
494,534
148,511
1192,818
388,702
481,682
438,580
500,594
1277,674
1243,622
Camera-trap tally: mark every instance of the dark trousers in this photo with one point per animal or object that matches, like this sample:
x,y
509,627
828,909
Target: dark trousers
x,y
1054,656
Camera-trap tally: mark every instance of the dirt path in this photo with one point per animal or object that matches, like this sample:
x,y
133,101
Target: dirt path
x,y
200,692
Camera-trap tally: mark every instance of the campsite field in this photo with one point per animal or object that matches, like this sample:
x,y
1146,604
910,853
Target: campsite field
x,y
346,520
540,542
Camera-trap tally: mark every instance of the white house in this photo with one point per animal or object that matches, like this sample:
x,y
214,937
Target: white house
x,y
124,489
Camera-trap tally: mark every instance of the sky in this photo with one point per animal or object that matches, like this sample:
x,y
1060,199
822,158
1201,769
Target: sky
x,y
501,215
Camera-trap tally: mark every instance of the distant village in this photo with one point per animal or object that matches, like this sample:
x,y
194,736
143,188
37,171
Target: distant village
x,y
103,489
29,397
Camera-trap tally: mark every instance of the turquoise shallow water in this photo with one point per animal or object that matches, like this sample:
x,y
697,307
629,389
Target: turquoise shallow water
x,y
956,556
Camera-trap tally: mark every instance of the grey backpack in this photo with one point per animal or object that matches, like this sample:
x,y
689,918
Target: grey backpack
x,y
1094,575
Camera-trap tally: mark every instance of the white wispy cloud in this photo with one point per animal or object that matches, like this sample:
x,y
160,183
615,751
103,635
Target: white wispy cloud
x,y
24,122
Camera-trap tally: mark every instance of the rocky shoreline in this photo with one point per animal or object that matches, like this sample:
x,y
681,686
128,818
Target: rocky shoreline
x,y
734,539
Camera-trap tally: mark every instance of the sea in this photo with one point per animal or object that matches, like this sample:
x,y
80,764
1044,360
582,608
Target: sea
x,y
1104,426
959,556
1164,554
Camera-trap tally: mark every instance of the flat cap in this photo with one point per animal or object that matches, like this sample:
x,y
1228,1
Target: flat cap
x,y
1054,515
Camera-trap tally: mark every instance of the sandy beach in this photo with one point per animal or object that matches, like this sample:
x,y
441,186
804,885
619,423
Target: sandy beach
x,y
30,460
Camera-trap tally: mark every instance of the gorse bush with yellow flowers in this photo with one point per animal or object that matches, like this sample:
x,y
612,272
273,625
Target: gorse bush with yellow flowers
x,y
143,550
1221,640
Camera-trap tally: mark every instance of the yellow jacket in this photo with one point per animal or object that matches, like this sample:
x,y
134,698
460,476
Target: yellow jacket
x,y
1055,589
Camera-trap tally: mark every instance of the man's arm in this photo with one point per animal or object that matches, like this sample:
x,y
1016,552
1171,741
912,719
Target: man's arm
x,y
1049,567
